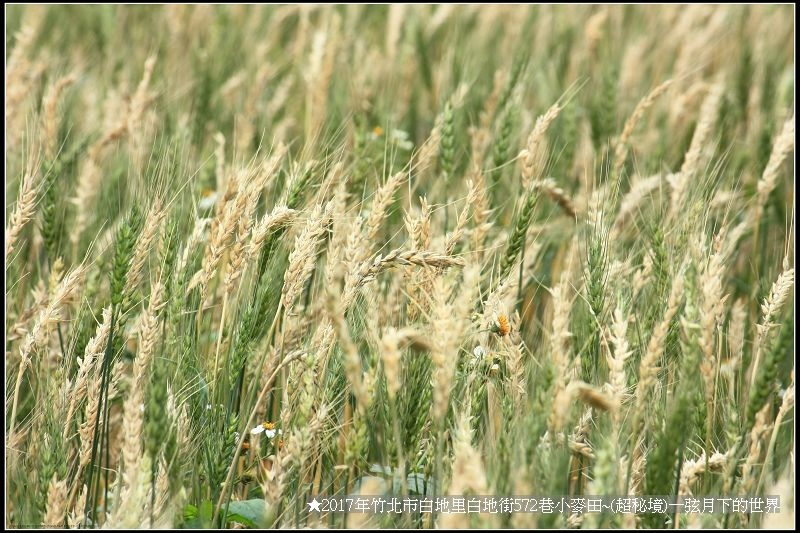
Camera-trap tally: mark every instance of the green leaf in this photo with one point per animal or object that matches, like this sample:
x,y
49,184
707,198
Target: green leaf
x,y
198,518
190,512
249,512
235,517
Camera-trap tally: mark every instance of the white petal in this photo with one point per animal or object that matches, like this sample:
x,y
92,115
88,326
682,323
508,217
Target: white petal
x,y
270,433
256,430
208,201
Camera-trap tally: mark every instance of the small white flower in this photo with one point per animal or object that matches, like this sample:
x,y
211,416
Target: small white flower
x,y
208,200
478,352
268,429
400,135
400,138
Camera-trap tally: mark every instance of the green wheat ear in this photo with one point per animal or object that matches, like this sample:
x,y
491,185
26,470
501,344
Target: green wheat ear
x,y
169,254
447,146
603,107
501,148
53,209
517,239
123,254
517,71
767,381
156,427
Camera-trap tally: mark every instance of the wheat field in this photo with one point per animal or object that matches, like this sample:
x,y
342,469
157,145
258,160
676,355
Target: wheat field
x,y
260,254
